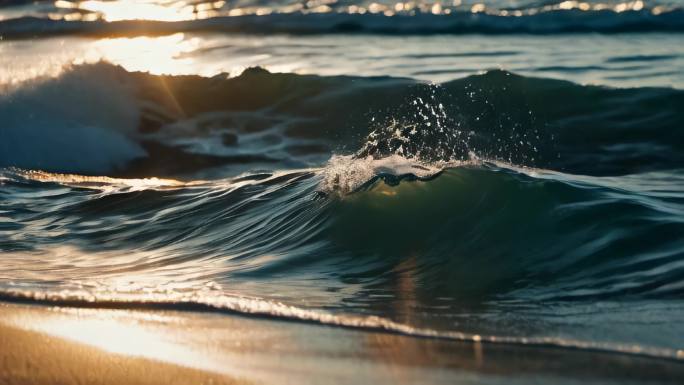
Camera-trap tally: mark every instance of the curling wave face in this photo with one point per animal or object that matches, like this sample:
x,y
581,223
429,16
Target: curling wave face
x,y
444,219
477,250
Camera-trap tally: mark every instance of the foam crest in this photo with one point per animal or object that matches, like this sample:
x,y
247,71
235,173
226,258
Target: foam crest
x,y
81,121
345,173
260,308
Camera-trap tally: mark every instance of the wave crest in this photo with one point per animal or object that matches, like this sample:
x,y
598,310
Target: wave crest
x,y
552,21
172,125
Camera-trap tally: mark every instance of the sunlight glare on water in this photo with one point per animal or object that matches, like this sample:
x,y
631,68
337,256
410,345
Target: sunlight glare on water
x,y
138,10
156,55
166,10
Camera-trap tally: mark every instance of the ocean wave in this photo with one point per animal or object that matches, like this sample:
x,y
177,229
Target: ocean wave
x,y
459,22
493,208
137,123
544,225
46,126
444,209
391,244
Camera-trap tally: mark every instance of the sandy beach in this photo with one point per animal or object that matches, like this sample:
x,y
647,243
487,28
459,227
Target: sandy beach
x,y
42,345
29,357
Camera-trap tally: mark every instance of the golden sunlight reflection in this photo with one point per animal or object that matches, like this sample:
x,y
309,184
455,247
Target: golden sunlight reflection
x,y
114,337
172,10
132,9
173,55
157,55
117,331
104,182
169,55
136,10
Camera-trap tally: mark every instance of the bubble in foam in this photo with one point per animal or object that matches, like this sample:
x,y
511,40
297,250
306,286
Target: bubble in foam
x,y
345,174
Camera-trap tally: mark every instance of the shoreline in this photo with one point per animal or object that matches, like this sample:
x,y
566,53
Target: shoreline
x,y
60,345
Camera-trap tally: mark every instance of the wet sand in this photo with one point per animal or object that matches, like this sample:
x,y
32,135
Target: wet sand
x,y
51,345
29,357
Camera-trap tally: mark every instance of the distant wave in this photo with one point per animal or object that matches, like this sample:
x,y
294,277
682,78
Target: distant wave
x,y
137,122
549,22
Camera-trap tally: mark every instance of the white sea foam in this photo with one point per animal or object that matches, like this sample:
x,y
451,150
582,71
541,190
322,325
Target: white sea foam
x,y
258,307
81,121
346,173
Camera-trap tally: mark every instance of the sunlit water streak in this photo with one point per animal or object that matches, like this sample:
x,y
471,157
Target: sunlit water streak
x,y
660,61
164,10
